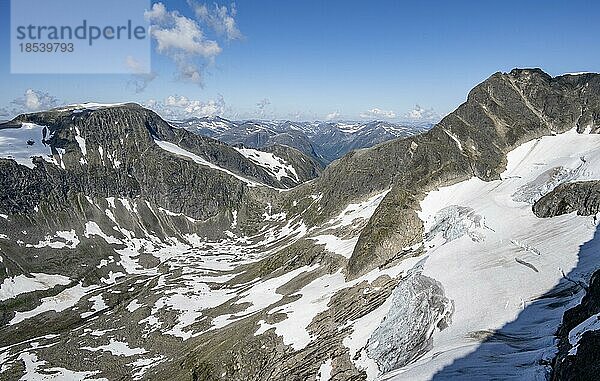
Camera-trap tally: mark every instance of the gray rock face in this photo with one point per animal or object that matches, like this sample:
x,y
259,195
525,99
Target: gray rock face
x,y
418,308
582,363
123,160
582,197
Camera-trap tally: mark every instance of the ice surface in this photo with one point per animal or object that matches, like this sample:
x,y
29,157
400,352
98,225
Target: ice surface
x,y
418,305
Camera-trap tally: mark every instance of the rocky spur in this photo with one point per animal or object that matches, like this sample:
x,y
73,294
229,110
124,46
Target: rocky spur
x,y
86,32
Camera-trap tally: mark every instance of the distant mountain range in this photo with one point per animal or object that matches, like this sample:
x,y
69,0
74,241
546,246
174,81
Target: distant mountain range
x,y
323,141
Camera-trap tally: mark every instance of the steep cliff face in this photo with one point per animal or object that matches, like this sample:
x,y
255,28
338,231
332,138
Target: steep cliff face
x,y
139,250
579,332
583,197
579,338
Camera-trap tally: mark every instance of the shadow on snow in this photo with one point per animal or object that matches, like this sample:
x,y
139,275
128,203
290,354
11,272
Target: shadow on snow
x,y
524,348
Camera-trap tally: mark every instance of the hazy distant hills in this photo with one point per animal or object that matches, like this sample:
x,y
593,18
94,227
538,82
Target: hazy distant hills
x,y
323,141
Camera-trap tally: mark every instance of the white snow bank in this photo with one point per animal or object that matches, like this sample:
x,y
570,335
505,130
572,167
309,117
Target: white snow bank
x,y
272,163
33,365
333,244
117,348
89,106
362,210
22,284
60,302
13,144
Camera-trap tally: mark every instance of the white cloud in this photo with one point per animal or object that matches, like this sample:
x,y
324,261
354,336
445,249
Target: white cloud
x,y
220,18
332,116
31,101
420,113
261,107
184,36
181,107
157,13
183,40
34,100
142,76
376,113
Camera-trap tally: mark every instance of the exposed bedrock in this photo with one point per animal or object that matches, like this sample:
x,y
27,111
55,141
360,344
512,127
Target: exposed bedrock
x,y
582,197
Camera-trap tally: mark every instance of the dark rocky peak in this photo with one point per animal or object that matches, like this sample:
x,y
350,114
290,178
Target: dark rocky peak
x,y
501,113
114,152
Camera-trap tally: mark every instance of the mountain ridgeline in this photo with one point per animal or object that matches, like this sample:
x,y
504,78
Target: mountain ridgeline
x,y
323,141
217,250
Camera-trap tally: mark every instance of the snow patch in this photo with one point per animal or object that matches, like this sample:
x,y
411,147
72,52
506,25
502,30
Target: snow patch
x,y
21,284
275,165
14,144
33,367
117,348
65,299
333,244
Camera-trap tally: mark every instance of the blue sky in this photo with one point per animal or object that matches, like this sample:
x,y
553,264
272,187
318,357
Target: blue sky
x,y
338,59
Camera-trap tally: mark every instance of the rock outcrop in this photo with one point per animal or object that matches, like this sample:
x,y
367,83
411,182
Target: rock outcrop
x,y
578,357
582,197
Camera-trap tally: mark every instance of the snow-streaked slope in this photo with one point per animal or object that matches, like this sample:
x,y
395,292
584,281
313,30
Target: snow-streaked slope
x,y
494,269
175,149
60,302
273,164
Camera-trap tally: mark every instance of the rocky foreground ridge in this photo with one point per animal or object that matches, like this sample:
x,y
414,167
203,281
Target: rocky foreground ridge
x,y
141,251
